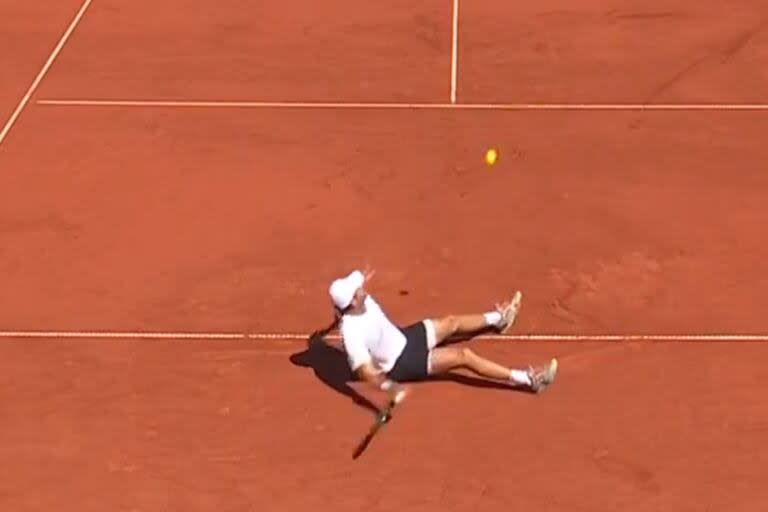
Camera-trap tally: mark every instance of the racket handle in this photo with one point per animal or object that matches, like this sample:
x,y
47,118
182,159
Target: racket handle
x,y
386,414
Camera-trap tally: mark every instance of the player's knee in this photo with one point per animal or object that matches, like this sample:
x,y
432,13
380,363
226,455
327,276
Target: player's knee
x,y
465,355
451,325
445,327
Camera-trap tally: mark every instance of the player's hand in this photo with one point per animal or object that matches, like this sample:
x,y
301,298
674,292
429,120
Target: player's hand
x,y
368,274
398,393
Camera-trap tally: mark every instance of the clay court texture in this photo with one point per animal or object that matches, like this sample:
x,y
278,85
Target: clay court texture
x,y
180,182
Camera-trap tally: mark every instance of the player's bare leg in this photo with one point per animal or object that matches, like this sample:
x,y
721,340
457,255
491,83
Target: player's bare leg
x,y
502,319
445,359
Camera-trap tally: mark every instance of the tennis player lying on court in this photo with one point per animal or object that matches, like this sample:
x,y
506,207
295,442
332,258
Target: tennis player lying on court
x,y
385,355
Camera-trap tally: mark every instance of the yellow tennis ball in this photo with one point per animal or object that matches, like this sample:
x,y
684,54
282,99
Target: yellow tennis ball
x,y
491,156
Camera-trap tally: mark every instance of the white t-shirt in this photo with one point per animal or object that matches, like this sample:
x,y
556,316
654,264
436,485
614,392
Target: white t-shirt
x,y
371,338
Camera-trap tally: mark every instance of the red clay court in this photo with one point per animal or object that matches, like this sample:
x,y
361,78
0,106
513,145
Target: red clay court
x,y
182,180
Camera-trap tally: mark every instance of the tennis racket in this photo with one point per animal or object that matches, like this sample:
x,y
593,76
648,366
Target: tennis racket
x,y
382,418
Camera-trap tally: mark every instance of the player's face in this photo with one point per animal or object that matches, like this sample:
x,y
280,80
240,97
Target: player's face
x,y
359,298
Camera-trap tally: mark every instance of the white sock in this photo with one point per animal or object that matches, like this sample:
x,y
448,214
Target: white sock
x,y
492,318
520,377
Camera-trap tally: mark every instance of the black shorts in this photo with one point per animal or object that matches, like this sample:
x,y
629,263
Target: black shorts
x,y
413,363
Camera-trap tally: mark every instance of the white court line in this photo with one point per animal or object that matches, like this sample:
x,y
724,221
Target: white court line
x,y
213,336
404,106
43,71
454,50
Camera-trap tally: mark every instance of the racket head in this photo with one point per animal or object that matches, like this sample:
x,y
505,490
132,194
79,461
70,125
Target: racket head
x,y
382,418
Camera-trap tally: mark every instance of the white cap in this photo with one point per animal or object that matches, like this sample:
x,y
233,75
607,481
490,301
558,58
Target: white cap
x,y
343,290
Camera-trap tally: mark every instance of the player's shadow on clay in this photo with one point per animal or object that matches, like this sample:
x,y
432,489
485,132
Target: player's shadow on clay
x,y
330,366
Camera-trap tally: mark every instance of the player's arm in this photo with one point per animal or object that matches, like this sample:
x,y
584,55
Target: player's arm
x,y
378,380
362,367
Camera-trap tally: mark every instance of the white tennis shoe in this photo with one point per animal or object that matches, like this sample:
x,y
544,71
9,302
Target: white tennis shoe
x,y
509,312
543,376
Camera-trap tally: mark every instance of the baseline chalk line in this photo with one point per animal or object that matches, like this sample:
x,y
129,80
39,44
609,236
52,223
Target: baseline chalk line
x,y
213,336
404,106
